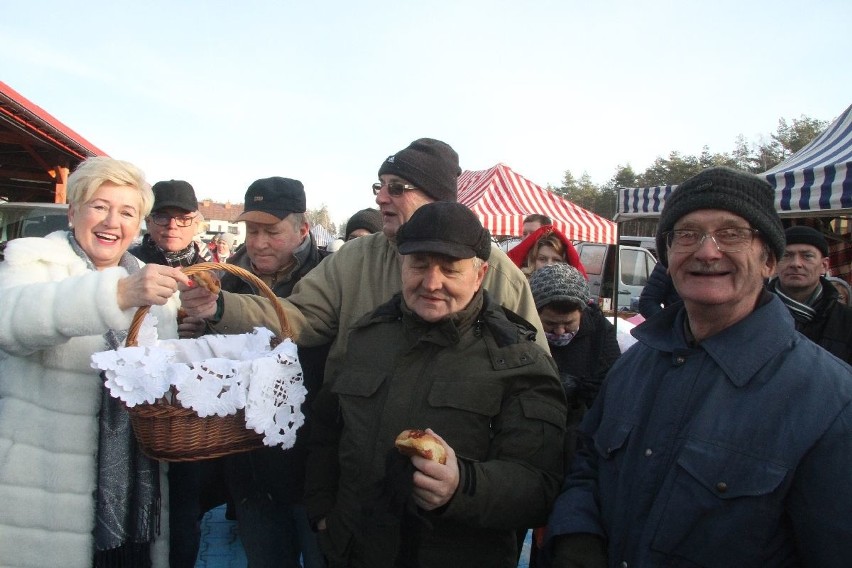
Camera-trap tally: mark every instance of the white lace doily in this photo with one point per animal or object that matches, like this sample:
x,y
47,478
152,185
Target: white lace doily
x,y
214,375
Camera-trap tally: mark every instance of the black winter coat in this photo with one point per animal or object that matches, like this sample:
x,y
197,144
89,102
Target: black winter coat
x,y
583,365
271,471
831,329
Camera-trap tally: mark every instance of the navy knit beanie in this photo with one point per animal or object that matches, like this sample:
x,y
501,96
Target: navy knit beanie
x,y
430,165
367,219
732,190
804,235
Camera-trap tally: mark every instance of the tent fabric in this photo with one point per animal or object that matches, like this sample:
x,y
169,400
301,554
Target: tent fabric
x,y
322,236
501,198
816,180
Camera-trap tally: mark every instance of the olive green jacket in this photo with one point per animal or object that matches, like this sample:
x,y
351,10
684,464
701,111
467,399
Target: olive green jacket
x,y
354,281
479,382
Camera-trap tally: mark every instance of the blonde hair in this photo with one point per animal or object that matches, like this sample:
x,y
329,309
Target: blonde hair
x,y
92,173
547,240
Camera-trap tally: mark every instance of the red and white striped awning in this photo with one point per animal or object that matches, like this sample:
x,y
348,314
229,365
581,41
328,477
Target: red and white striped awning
x,y
502,198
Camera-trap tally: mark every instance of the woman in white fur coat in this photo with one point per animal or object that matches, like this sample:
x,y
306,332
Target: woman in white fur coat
x,y
74,489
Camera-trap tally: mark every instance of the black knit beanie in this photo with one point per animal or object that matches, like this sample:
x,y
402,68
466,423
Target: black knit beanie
x,y
367,219
732,190
804,235
428,164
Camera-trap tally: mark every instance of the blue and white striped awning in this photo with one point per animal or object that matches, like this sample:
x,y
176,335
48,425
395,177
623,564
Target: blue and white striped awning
x,y
816,180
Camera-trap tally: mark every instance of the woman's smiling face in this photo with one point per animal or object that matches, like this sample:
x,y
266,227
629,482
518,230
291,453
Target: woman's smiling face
x,y
106,225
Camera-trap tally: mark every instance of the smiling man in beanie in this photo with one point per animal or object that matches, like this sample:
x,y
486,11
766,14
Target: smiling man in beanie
x,y
812,300
440,354
367,271
723,437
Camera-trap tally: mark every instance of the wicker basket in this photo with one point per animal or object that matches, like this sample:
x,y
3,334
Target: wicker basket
x,y
166,431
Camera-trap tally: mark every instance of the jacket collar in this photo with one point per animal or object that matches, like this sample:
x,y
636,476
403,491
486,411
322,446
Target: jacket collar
x,y
740,351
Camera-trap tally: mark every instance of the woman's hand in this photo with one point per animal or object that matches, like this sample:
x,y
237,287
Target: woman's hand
x,y
153,285
435,483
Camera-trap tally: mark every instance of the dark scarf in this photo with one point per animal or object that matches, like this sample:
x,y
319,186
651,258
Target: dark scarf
x,y
185,257
128,488
801,312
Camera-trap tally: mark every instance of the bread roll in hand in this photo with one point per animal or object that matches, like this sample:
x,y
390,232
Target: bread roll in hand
x,y
421,443
207,280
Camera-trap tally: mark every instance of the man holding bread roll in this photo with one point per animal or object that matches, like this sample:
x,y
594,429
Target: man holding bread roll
x,y
442,433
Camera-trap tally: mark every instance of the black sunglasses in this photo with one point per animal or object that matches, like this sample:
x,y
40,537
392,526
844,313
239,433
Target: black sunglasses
x,y
395,188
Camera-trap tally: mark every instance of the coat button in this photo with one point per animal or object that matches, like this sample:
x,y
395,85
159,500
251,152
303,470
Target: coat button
x,y
679,360
649,452
721,487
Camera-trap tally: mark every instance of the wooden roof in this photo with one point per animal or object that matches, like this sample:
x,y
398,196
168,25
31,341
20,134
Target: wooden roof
x,y
37,151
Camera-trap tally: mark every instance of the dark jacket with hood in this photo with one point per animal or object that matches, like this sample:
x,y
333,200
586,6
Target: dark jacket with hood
x,y
479,381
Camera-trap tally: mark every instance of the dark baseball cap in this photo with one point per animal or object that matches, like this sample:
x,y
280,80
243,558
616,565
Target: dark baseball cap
x,y
270,200
444,227
174,193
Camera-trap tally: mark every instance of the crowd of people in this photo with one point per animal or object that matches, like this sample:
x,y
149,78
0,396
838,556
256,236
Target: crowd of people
x,y
723,437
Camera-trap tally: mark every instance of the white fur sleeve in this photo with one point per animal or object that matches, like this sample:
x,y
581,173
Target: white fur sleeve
x,y
38,315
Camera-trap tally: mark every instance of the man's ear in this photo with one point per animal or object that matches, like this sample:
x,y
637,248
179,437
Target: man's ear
x,y
480,276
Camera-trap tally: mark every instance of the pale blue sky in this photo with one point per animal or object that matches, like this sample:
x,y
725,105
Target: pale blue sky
x,y
222,93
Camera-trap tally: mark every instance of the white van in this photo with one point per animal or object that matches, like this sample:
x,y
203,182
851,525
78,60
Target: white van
x,y
635,264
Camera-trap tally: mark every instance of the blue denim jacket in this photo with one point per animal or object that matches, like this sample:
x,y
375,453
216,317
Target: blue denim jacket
x,y
737,452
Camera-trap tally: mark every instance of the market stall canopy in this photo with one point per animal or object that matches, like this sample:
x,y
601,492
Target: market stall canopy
x,y
322,236
815,181
818,178
502,198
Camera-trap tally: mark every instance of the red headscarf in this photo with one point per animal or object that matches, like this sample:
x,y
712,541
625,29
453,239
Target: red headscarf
x,y
519,253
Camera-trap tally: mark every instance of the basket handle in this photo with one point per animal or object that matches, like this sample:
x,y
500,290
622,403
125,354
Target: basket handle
x,y
136,323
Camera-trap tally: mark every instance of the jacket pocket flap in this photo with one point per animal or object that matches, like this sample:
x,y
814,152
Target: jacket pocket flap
x,y
611,436
361,384
481,398
728,474
543,410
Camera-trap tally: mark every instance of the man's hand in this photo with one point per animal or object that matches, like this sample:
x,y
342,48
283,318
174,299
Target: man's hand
x,y
197,301
191,327
435,483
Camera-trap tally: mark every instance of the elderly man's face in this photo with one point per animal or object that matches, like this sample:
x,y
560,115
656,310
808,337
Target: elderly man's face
x,y
397,210
270,246
171,237
437,286
714,284
799,270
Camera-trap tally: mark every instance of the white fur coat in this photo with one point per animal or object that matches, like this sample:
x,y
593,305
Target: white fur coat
x,y
53,314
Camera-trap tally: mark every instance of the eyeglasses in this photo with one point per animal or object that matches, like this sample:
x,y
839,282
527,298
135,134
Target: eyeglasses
x,y
164,220
732,239
395,188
